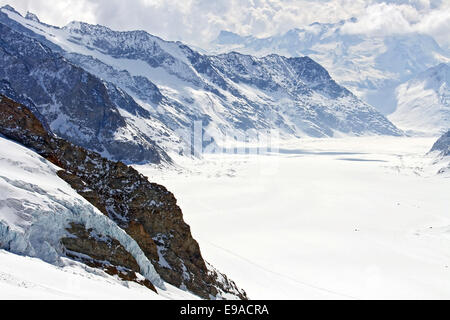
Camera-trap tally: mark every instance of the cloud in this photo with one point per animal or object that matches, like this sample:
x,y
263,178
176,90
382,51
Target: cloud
x,y
437,23
199,21
382,19
399,17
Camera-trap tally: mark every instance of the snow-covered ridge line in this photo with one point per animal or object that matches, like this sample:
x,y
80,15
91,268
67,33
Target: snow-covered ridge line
x,y
232,94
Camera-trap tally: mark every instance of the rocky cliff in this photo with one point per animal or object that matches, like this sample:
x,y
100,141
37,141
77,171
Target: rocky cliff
x,y
148,212
442,145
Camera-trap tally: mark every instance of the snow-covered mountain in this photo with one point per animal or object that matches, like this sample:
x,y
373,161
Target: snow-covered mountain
x,y
75,104
371,66
231,94
424,102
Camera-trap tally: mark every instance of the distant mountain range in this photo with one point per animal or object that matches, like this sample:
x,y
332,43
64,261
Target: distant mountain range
x,y
149,92
370,66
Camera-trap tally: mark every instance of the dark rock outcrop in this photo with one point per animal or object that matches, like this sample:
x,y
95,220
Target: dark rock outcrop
x,y
148,212
442,145
102,252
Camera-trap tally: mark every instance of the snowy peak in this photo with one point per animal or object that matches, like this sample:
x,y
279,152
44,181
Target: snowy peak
x,y
410,54
104,38
436,76
227,37
296,75
317,77
32,17
291,43
10,9
77,26
424,102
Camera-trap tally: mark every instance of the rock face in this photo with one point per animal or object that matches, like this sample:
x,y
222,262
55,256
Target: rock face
x,y
146,211
233,95
76,105
442,145
99,251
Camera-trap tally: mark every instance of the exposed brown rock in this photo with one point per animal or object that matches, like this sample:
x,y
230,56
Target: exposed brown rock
x,y
102,252
148,212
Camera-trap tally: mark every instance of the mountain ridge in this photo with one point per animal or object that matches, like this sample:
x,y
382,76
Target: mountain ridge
x,y
228,94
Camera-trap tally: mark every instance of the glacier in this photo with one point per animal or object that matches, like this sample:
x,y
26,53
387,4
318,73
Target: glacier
x,y
347,218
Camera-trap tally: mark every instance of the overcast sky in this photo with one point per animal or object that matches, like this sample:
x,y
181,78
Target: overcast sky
x,y
199,21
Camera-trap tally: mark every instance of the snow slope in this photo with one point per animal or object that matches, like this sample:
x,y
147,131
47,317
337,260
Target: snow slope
x,y
31,278
36,207
371,66
423,103
351,218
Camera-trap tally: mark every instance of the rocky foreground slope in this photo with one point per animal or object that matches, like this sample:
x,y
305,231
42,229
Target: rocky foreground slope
x,y
146,211
442,148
